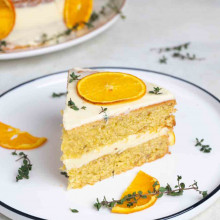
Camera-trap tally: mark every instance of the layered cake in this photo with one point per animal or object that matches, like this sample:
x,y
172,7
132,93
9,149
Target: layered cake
x,y
112,123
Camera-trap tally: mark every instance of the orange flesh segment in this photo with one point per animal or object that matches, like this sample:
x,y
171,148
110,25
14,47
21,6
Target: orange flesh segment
x,y
7,18
77,12
142,182
110,87
13,138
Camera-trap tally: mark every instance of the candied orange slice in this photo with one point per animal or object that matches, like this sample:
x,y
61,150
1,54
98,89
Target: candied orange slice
x,y
13,138
77,12
142,182
7,18
110,87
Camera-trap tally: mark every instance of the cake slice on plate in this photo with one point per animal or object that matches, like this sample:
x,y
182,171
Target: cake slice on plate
x,y
112,123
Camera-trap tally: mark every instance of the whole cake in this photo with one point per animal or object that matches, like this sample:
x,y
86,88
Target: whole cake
x,y
29,23
112,123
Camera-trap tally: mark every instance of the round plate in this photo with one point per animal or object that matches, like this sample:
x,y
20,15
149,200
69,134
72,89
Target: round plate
x,y
101,25
30,107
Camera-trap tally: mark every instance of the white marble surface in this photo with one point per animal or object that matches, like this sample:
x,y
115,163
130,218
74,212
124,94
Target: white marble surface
x,y
149,24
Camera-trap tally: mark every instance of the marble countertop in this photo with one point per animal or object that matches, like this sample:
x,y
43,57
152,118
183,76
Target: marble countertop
x,y
149,24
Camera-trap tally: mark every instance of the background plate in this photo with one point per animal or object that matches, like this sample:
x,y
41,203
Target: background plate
x,y
83,35
30,107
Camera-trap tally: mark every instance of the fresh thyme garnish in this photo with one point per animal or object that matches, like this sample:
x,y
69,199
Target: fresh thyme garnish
x,y
204,148
74,210
163,60
55,95
73,77
176,52
103,110
23,171
131,199
83,107
72,105
175,48
112,5
186,57
64,173
3,44
156,91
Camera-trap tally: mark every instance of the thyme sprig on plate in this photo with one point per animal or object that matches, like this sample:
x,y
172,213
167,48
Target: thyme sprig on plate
x,y
56,95
24,170
133,198
73,77
112,5
156,91
104,110
204,148
74,210
3,44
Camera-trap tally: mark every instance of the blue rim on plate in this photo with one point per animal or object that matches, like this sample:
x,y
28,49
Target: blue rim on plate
x,y
128,68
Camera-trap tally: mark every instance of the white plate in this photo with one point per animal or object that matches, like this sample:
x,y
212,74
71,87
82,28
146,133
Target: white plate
x,y
30,107
85,34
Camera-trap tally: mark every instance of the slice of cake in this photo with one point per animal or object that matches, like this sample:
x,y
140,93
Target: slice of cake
x,y
112,123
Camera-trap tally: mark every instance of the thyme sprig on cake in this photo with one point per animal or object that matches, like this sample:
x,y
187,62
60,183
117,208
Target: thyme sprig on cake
x,y
132,199
73,77
104,110
73,106
156,91
204,148
24,170
3,44
56,95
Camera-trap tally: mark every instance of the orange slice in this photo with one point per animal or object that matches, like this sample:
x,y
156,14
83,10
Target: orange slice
x,y
77,12
142,182
110,87
7,18
13,138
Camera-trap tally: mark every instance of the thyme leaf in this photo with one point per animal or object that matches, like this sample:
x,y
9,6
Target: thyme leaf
x,y
55,95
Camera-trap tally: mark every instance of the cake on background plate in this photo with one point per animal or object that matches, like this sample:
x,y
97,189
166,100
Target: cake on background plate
x,y
103,138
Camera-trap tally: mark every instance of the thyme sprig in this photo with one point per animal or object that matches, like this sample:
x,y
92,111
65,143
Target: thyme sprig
x,y
73,106
56,95
24,170
175,48
3,44
64,174
73,77
74,210
112,5
186,57
163,59
133,198
204,148
156,91
104,110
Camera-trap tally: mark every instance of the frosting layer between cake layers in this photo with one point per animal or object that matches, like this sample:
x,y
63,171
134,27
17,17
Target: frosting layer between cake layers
x,y
116,148
73,119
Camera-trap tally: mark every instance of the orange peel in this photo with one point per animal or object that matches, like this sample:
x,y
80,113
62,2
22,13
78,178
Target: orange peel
x,y
142,182
110,88
14,138
7,18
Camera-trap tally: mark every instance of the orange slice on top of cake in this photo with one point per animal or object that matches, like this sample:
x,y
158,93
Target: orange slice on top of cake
x,y
108,134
